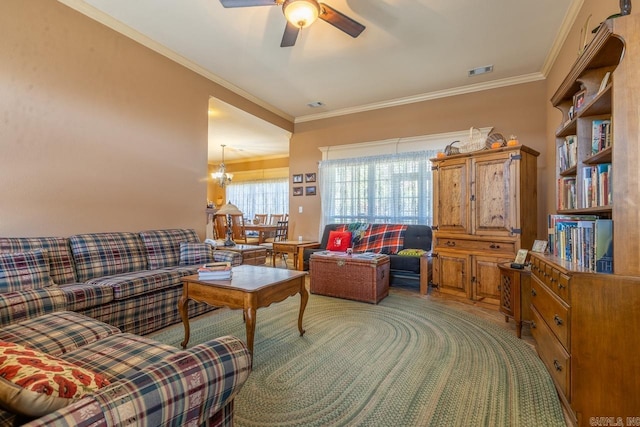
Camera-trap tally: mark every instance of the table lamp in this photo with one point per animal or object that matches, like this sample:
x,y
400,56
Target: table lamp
x,y
228,210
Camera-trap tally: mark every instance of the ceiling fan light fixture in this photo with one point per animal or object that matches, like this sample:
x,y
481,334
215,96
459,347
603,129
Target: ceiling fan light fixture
x,y
301,13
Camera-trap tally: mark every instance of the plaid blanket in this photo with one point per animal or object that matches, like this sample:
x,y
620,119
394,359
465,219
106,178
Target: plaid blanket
x,y
381,238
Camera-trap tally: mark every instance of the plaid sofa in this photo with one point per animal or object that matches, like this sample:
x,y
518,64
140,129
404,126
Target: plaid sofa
x,y
151,384
389,239
129,280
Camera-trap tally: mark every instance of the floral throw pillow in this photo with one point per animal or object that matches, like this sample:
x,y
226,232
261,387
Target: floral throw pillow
x,y
34,383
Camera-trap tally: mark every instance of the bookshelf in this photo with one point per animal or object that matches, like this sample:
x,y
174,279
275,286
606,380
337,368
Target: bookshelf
x,y
582,319
585,140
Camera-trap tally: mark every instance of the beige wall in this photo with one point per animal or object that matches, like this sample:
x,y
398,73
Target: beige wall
x,y
98,132
518,110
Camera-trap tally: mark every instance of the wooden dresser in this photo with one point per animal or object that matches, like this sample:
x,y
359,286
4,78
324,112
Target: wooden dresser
x,y
587,329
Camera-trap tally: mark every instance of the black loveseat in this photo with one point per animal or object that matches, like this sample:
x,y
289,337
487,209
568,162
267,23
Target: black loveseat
x,y
405,270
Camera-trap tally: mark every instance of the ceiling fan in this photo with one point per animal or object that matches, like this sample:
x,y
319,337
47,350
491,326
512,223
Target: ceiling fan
x,y
301,14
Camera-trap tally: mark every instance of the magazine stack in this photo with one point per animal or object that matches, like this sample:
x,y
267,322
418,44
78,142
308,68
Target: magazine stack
x,y
215,271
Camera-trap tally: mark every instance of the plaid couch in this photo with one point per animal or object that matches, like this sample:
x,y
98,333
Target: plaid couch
x,y
389,239
129,280
151,384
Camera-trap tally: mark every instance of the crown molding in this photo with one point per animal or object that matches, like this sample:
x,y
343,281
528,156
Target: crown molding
x,y
252,159
110,22
561,37
526,78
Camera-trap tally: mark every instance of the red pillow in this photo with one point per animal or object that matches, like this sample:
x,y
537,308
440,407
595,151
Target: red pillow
x,y
339,241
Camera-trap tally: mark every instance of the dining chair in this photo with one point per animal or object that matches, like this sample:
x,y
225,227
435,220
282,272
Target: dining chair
x,y
262,218
220,226
281,234
274,218
237,228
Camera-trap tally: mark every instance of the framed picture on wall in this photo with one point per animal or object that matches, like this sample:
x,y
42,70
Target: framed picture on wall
x,y
310,177
297,191
310,190
297,178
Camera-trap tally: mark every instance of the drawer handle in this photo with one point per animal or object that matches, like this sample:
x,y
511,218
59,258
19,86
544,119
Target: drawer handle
x,y
450,243
561,286
494,246
558,320
533,292
533,325
557,365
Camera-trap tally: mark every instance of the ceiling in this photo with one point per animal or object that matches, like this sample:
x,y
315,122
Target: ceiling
x,y
411,50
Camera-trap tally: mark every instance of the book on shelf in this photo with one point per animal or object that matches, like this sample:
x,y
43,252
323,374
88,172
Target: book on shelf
x,y
567,193
600,135
554,227
596,185
568,153
215,271
603,246
584,240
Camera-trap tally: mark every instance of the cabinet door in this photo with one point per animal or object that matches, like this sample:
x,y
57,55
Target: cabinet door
x,y
485,281
450,273
451,196
495,195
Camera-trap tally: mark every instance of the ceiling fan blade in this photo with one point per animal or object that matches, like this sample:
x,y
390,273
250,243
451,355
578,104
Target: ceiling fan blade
x,y
341,21
290,35
247,3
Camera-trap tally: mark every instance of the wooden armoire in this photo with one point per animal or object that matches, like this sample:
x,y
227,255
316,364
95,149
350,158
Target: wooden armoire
x,y
485,210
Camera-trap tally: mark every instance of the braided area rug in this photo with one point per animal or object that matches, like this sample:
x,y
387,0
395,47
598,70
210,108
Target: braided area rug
x,y
405,362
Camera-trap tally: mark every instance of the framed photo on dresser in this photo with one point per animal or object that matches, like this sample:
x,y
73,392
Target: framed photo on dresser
x,y
539,246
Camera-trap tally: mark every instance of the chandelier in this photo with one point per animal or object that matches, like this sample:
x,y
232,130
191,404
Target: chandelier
x,y
222,176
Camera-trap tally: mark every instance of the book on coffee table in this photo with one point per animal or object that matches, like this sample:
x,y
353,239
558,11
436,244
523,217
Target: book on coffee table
x,y
215,271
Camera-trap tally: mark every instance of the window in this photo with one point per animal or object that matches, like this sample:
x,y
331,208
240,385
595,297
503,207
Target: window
x,y
270,196
378,189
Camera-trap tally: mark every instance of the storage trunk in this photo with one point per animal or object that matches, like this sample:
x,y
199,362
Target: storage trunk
x,y
344,276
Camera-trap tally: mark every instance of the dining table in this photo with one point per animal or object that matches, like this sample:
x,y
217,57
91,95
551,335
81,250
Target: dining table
x,y
264,230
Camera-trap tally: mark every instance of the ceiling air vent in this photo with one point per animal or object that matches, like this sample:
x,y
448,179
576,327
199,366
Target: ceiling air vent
x,y
315,104
480,70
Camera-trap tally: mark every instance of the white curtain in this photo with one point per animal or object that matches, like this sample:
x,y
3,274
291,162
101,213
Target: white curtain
x,y
268,196
393,188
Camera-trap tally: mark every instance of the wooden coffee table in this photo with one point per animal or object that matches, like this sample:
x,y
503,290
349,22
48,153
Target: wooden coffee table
x,y
250,288
251,254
